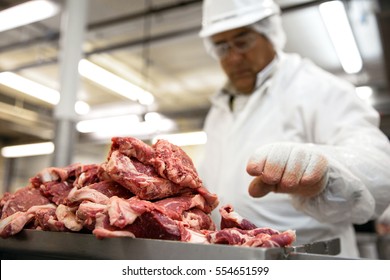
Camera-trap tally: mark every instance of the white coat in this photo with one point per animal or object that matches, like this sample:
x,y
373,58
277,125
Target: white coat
x,y
301,103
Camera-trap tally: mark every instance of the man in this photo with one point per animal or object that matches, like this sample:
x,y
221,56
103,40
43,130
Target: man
x,y
290,146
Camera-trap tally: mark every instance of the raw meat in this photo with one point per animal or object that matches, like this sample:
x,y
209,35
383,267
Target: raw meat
x,y
140,191
22,200
145,185
251,238
156,172
173,163
14,223
231,219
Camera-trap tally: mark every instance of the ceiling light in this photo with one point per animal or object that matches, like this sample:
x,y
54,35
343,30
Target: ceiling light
x,y
44,148
336,21
364,92
113,82
184,139
153,117
107,124
29,87
26,13
38,91
129,125
82,108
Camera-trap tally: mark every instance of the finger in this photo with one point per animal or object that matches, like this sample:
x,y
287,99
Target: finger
x,y
269,162
258,188
275,164
295,168
315,176
256,163
313,189
315,170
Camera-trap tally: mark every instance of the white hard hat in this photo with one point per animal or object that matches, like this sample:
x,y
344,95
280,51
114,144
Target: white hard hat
x,y
223,15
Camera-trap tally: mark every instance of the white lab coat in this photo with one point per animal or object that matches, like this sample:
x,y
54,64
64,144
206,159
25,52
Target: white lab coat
x,y
301,103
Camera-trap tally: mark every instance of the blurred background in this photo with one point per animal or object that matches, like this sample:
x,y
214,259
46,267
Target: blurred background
x,y
96,69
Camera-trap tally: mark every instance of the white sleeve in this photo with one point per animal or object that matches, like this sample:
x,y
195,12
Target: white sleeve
x,y
347,134
358,187
345,198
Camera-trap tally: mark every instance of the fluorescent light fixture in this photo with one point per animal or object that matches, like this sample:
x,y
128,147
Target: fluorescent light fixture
x,y
44,148
129,125
184,139
107,124
113,82
153,117
26,13
336,21
29,87
38,91
81,107
364,92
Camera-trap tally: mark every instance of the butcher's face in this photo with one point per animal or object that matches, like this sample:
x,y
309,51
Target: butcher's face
x,y
243,53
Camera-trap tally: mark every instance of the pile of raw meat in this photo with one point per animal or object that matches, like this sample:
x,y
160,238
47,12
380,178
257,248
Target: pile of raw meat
x,y
140,191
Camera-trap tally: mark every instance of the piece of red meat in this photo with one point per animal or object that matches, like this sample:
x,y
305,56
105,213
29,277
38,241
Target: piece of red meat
x,y
87,211
153,225
197,219
14,223
173,163
146,186
22,200
251,238
49,174
88,174
132,148
124,212
157,172
231,219
46,219
169,160
57,192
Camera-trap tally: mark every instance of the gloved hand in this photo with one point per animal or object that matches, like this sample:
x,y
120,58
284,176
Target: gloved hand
x,y
287,168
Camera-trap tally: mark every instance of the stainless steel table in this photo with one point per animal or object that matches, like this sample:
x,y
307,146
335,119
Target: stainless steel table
x,y
34,244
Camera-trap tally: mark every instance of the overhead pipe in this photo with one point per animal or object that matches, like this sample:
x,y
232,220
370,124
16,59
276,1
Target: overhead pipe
x,y
123,45
131,43
54,36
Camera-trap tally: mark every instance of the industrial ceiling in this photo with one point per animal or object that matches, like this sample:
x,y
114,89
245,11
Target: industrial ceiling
x,y
155,45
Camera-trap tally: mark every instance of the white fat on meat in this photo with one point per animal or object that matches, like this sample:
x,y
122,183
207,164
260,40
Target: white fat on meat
x,y
14,223
192,220
121,213
88,194
101,232
67,216
196,237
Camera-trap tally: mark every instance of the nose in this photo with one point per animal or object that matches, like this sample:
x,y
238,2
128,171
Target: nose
x,y
233,55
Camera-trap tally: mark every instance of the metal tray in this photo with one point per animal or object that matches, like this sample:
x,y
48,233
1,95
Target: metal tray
x,y
34,244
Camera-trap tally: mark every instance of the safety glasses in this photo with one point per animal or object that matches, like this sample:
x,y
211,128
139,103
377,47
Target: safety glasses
x,y
240,44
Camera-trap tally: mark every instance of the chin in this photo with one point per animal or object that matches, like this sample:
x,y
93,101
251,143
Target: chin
x,y
246,89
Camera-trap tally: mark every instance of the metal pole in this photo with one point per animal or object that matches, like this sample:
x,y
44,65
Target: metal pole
x,y
73,25
9,165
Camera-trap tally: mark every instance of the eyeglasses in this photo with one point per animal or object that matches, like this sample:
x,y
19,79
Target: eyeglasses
x,y
241,44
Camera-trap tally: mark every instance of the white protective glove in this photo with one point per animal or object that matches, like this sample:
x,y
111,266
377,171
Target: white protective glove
x,y
287,168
